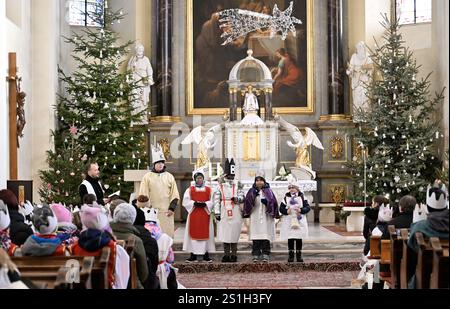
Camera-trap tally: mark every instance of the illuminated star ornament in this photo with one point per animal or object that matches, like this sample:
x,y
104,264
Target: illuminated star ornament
x,y
236,22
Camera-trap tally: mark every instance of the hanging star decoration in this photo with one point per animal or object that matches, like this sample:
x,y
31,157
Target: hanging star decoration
x,y
236,22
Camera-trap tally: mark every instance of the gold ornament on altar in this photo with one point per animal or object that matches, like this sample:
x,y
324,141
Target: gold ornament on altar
x,y
165,145
337,194
337,147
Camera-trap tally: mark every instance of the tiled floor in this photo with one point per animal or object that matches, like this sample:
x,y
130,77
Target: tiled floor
x,y
319,239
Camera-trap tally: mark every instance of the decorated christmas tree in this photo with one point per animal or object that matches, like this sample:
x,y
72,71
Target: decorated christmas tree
x,y
396,140
60,183
98,104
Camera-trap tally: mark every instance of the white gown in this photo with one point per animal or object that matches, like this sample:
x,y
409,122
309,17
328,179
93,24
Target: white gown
x,y
262,225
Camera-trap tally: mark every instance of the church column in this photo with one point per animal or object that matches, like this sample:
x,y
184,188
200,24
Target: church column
x,y
337,56
163,25
45,56
268,104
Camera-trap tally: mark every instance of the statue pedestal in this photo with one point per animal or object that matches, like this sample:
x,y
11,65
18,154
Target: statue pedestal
x,y
253,148
303,173
136,177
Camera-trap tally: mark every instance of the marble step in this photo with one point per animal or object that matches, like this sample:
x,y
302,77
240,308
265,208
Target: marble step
x,y
282,245
282,255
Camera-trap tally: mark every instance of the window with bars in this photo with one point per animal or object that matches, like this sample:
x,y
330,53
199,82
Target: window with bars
x,y
81,12
413,11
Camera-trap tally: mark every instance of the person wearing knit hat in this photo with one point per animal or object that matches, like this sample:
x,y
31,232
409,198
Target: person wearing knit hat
x,y
436,225
66,230
294,226
19,231
94,238
123,228
161,189
143,201
44,242
261,206
199,231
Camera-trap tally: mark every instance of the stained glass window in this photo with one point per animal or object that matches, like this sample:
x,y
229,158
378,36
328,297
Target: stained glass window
x,y
413,11
82,11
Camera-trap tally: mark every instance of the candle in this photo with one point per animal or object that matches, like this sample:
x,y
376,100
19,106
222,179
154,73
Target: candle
x,y
437,134
21,195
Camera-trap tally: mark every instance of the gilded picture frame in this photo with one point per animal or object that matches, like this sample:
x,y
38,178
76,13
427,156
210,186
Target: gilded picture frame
x,y
198,105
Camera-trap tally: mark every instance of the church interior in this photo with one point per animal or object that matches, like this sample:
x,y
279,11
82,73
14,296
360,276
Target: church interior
x,y
218,144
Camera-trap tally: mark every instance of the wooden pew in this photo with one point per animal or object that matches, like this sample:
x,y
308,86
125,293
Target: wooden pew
x,y
99,277
425,261
396,250
53,271
407,253
129,245
439,273
375,247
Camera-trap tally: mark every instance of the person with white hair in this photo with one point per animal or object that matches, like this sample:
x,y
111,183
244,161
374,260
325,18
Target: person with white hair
x,y
122,226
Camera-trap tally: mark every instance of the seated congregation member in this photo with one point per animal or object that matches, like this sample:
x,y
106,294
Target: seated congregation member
x,y
294,227
66,231
45,241
370,219
165,272
19,231
123,218
436,225
405,217
384,216
94,238
5,240
261,207
151,250
199,232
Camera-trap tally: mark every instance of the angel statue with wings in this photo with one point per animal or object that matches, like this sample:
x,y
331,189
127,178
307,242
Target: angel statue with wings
x,y
301,143
205,142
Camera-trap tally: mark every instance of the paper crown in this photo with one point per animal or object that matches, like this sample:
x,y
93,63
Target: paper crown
x,y
4,216
385,213
157,154
436,198
198,172
260,173
420,213
230,167
151,215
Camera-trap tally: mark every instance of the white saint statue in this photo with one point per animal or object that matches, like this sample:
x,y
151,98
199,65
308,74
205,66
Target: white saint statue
x,y
250,109
360,70
143,75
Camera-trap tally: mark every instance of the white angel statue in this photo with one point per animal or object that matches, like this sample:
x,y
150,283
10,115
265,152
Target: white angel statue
x,y
204,142
301,143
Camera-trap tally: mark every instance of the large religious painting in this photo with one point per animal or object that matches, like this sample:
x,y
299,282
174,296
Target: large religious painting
x,y
209,62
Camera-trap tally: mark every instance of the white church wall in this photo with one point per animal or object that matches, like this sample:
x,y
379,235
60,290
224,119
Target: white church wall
x,y
18,38
4,157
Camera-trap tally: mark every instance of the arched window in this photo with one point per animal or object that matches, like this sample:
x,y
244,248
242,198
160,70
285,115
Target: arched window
x,y
81,12
413,11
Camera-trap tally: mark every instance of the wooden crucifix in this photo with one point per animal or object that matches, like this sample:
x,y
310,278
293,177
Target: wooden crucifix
x,y
12,80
